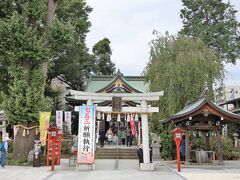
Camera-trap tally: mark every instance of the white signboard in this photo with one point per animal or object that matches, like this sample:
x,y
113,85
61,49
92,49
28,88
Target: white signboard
x,y
59,120
86,135
68,120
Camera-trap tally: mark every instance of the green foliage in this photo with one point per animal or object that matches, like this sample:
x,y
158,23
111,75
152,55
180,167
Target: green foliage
x,y
180,66
103,52
54,94
23,161
66,147
60,35
154,124
17,162
26,42
20,41
73,66
227,145
10,147
75,63
232,155
168,148
198,142
215,23
24,101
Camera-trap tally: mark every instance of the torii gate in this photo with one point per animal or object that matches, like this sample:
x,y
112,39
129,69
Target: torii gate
x,y
144,109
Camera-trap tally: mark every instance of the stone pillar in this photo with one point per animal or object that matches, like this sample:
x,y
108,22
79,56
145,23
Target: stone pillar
x,y
156,152
145,138
187,148
235,136
219,143
146,165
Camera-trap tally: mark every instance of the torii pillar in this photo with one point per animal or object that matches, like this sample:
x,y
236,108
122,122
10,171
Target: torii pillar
x,y
146,165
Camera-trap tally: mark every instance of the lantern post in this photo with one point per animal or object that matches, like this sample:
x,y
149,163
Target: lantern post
x,y
53,147
177,134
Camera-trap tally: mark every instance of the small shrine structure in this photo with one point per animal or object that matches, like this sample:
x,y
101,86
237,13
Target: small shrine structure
x,y
202,115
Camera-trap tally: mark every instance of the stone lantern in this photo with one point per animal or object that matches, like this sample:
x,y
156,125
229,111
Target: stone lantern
x,y
235,136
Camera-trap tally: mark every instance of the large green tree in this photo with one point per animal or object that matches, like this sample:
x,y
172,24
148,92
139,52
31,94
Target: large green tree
x,y
75,63
215,23
73,67
102,52
34,34
180,66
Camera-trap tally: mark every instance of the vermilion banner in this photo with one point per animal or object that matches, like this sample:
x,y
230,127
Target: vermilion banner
x,y
132,125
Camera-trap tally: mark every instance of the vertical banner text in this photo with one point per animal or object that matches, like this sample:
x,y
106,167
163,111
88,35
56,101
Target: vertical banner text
x,y
68,120
86,135
59,120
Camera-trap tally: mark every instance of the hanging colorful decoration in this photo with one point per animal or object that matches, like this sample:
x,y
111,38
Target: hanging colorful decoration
x,y
108,117
103,116
118,118
98,115
128,118
136,118
132,125
26,130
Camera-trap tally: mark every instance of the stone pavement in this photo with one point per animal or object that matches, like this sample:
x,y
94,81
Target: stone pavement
x,y
205,174
124,170
23,173
229,171
104,170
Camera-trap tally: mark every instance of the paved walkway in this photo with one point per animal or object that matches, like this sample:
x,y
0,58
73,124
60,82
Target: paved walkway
x,y
229,171
104,170
205,174
123,170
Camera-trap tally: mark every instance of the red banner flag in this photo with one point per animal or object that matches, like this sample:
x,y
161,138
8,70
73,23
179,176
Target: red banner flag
x,y
132,125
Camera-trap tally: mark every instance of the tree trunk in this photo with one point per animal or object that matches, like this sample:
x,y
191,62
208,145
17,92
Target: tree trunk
x,y
24,144
52,6
27,67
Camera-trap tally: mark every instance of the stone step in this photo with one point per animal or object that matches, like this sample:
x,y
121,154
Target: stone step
x,y
114,157
105,153
120,153
114,150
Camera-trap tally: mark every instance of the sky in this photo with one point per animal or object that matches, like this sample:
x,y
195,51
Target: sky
x,y
129,24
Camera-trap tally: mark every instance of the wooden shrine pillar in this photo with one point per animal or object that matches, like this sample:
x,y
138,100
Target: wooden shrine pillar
x,y
219,144
187,147
207,141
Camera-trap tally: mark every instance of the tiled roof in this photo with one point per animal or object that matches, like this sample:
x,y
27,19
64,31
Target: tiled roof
x,y
97,83
195,106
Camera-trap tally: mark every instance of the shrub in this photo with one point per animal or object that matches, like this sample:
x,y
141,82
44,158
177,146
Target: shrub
x,y
167,145
10,147
66,147
198,142
227,146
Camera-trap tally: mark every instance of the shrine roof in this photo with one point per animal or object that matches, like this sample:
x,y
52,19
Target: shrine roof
x,y
99,83
191,108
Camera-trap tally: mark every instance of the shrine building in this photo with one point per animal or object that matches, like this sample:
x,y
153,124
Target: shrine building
x,y
121,102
